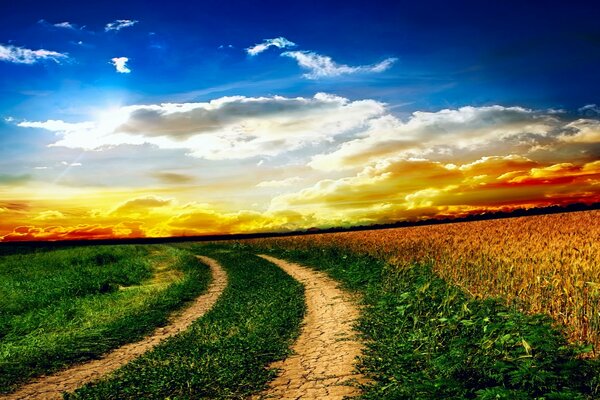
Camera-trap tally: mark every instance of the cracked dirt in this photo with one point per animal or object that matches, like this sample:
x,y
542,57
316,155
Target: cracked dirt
x,y
322,365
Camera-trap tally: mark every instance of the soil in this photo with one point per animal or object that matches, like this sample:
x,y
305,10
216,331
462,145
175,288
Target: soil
x,y
323,362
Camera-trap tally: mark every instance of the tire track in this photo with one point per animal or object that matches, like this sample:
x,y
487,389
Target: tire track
x,y
52,386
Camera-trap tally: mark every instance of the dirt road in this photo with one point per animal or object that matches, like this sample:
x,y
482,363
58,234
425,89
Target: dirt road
x,y
52,386
322,365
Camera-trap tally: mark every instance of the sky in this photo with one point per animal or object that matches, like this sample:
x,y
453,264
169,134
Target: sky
x,y
141,118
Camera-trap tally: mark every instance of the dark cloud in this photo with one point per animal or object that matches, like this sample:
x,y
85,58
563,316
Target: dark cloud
x,y
173,177
6,179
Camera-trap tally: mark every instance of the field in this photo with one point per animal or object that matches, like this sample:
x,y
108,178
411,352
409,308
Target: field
x,y
427,339
62,306
546,264
498,309
224,354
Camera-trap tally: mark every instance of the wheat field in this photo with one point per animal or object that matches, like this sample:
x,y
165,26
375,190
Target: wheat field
x,y
540,264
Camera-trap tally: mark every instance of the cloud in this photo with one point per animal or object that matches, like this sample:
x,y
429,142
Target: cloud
x,y
582,131
197,220
279,42
463,134
280,183
21,55
141,205
56,125
65,25
401,189
119,24
384,182
225,128
78,232
49,215
59,25
348,134
7,179
68,164
120,64
321,66
370,165
590,110
173,178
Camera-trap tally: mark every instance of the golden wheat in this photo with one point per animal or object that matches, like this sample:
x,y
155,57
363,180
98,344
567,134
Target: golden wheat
x,y
542,264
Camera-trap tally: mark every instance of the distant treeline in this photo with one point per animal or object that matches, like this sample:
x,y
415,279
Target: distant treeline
x,y
484,215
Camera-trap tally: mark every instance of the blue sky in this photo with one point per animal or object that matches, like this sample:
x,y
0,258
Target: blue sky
x,y
449,55
393,66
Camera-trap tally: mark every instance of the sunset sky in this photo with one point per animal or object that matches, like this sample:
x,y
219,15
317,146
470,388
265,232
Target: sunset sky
x,y
140,118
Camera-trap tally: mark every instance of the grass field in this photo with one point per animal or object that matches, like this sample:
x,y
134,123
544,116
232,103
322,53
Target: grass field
x,y
225,353
500,309
427,339
66,305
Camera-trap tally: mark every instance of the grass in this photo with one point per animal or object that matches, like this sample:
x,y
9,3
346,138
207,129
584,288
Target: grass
x,y
67,305
427,339
224,354
542,264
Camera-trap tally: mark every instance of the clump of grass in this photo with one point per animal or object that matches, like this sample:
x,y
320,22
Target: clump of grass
x,y
225,353
63,306
427,339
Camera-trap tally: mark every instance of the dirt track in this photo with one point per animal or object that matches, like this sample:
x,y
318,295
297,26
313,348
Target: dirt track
x,y
324,355
52,386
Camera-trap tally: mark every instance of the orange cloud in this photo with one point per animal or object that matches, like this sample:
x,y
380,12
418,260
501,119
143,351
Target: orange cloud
x,y
391,190
33,233
141,205
408,189
315,161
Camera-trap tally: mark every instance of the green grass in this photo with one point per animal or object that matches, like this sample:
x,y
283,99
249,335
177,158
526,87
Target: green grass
x,y
72,304
224,354
427,339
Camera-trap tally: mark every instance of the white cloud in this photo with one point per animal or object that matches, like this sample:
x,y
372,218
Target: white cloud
x,y
463,134
590,110
64,25
120,64
21,55
279,42
57,125
75,164
321,66
119,24
331,133
225,128
280,183
582,131
60,25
